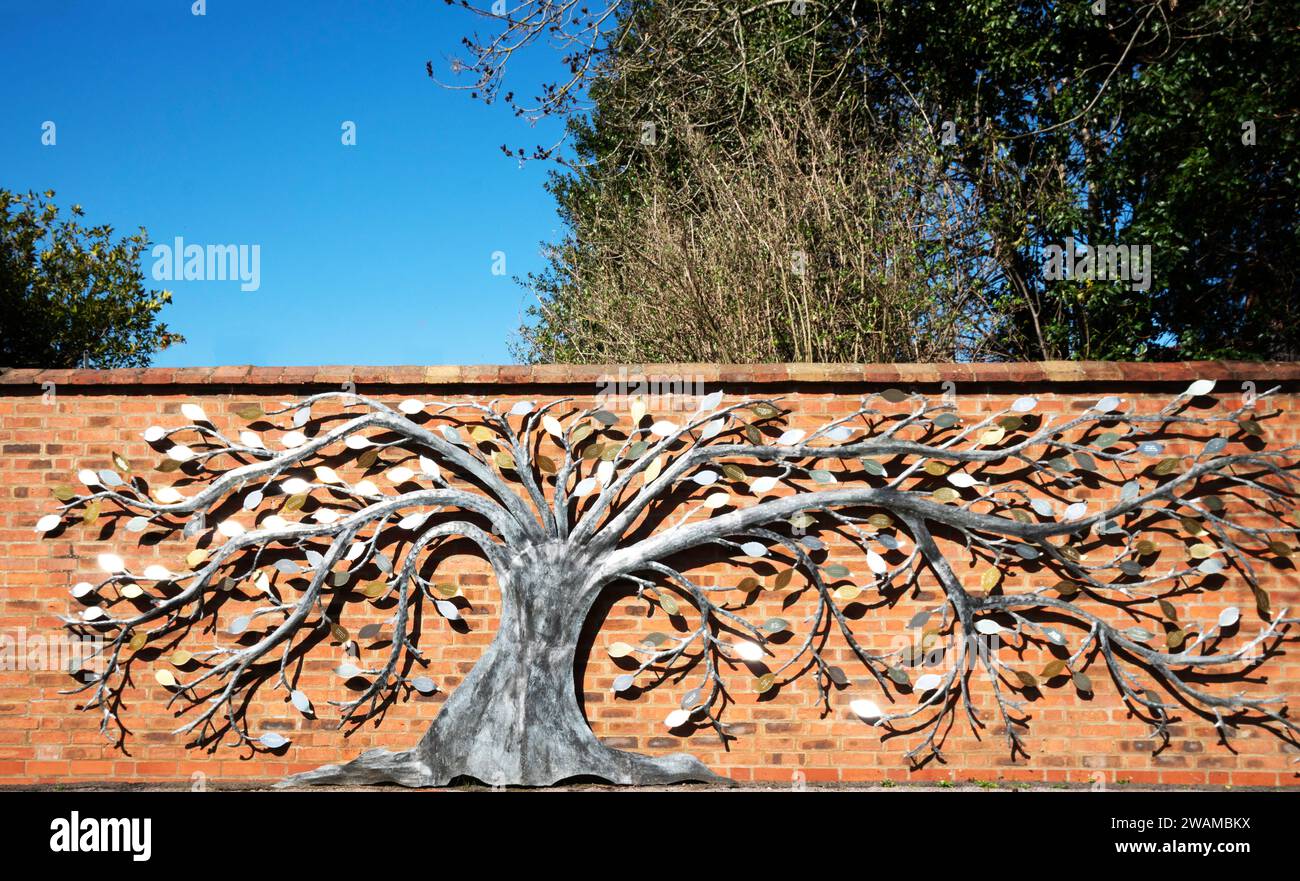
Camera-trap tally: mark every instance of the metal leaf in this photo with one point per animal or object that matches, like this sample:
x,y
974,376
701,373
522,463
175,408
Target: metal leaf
x,y
273,740
705,478
927,682
874,468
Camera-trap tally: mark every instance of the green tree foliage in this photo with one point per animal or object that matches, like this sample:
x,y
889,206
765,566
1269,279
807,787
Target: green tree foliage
x,y
1124,122
969,136
72,295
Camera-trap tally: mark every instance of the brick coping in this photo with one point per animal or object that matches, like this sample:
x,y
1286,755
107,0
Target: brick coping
x,y
1045,372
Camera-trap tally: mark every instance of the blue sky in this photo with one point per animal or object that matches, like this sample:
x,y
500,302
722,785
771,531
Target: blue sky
x,y
227,129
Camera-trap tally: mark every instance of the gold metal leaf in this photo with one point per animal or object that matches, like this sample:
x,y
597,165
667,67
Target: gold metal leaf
x,y
1167,466
847,592
667,603
652,470
1066,588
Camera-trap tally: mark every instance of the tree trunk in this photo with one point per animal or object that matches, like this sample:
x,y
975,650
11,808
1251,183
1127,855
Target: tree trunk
x,y
515,718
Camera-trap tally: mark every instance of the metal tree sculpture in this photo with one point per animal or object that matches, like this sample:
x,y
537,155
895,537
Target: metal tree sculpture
x,y
566,503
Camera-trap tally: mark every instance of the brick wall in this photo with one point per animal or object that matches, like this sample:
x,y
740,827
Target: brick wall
x,y
53,423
